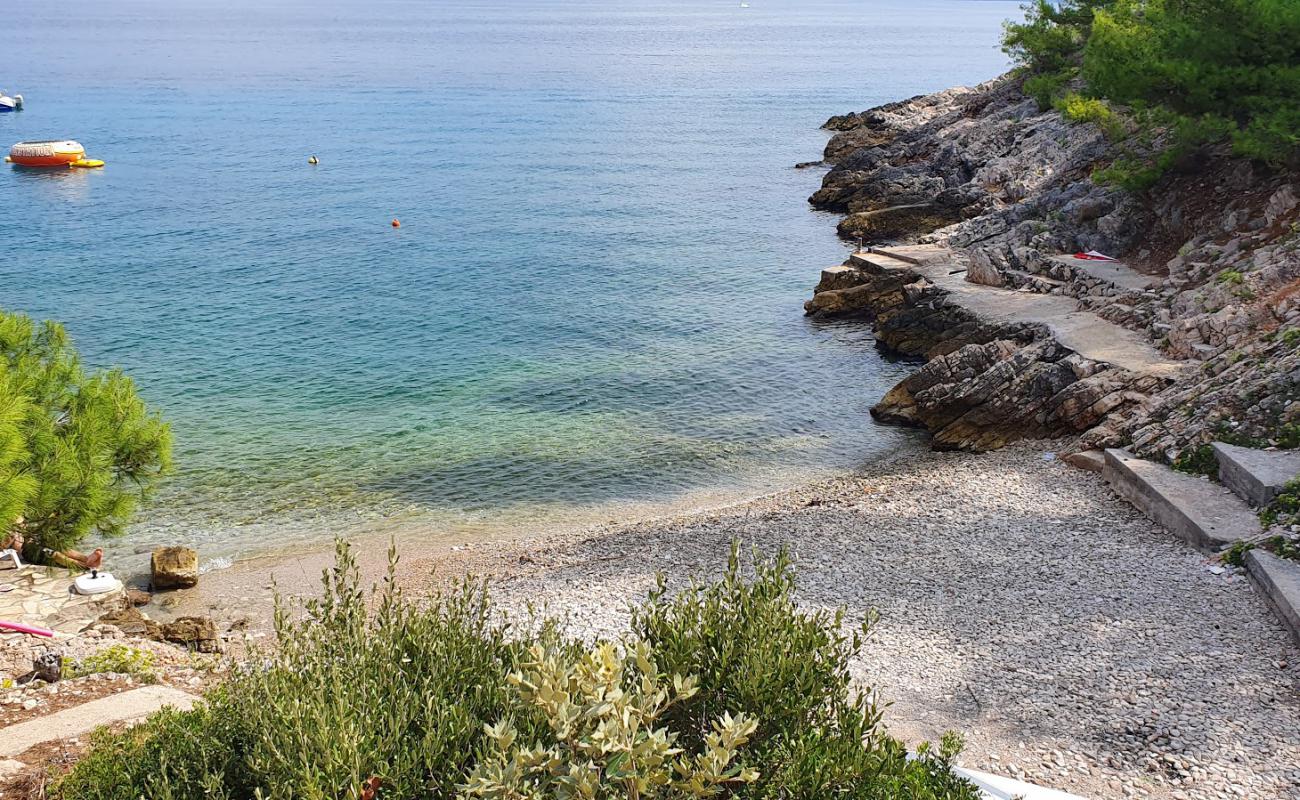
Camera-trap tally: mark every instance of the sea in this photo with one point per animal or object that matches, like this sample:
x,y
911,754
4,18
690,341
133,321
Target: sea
x,y
591,309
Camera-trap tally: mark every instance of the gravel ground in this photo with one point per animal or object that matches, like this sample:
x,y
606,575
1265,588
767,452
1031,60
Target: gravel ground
x,y
1074,643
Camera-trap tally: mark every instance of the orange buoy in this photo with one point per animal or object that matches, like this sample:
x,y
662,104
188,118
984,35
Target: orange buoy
x,y
46,154
396,224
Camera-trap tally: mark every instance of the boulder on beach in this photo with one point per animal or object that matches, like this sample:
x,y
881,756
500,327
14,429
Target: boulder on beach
x,y
199,633
174,568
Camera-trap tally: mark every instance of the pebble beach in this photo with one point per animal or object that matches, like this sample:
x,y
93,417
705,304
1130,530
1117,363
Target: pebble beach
x,y
1073,642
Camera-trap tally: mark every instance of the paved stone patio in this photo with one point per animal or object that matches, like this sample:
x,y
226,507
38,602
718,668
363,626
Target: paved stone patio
x,y
43,596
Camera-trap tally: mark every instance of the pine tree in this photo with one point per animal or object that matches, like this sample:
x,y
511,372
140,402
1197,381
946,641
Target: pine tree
x,y
78,450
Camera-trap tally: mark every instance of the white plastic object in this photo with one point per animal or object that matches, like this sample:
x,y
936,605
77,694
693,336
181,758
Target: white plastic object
x,y
96,583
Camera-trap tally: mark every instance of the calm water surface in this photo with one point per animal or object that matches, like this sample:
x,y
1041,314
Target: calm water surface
x,y
592,305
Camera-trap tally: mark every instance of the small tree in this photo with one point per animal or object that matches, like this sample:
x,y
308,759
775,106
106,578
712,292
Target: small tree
x,y
78,450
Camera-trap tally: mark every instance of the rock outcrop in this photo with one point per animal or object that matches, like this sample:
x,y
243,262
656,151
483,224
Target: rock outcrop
x,y
174,568
987,380
1214,247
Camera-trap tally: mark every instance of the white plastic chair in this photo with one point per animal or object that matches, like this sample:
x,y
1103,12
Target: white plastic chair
x,y
12,554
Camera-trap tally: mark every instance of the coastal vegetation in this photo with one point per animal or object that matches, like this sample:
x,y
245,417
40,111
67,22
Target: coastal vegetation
x,y
727,689
1187,72
78,448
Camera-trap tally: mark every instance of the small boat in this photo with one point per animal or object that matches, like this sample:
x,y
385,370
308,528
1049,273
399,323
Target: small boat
x,y
8,103
50,154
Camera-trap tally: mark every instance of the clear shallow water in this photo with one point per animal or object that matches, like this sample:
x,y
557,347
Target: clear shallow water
x,y
593,301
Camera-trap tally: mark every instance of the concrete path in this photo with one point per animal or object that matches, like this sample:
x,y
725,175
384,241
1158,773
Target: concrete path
x,y
1082,331
1114,272
80,720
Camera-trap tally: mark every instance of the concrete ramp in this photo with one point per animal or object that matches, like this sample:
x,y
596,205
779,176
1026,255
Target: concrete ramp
x,y
80,720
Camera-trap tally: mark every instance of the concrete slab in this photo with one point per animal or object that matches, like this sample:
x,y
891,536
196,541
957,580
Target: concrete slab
x,y
1082,331
1279,580
1113,271
80,720
1256,475
1197,511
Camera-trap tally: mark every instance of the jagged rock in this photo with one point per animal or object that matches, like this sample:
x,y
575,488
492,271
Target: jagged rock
x,y
174,568
895,222
984,171
48,667
130,621
138,597
199,633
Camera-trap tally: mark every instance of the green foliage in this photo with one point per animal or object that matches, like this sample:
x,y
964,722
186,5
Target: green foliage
x,y
1236,555
1285,508
1210,70
1198,460
1231,276
1046,87
1291,337
1077,108
438,697
755,653
1053,34
1131,174
118,658
1235,63
77,449
603,711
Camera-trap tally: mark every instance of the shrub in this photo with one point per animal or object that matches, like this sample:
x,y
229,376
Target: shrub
x,y
602,711
1077,108
1046,87
77,449
401,694
729,685
118,658
755,653
1236,555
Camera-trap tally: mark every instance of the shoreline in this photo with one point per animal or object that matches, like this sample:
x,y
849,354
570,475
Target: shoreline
x,y
241,591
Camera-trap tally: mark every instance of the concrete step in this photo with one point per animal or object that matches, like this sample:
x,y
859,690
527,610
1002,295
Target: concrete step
x,y
1279,581
880,261
1257,476
80,720
1198,511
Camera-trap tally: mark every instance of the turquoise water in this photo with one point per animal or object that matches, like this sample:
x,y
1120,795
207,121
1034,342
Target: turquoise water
x,y
593,301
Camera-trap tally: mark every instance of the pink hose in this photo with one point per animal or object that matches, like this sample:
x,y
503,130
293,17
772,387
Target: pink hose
x,y
21,628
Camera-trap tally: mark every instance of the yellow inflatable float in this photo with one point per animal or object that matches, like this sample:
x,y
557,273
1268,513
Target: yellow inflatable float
x,y
51,154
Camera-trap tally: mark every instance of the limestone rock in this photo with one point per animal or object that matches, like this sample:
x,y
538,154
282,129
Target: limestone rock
x,y
130,621
199,633
174,568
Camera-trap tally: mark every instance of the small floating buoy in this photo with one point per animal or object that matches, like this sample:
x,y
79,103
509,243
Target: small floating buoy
x,y
396,224
313,160
87,163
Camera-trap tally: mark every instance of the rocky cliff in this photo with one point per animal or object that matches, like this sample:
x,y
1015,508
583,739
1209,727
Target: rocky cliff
x,y
1212,278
